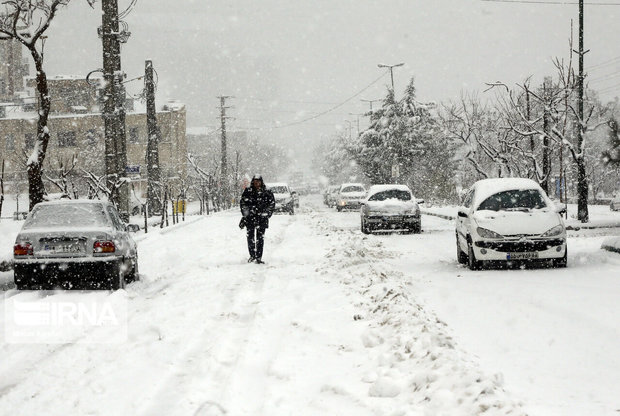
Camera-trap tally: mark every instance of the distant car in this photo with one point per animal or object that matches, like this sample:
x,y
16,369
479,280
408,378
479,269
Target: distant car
x,y
350,196
390,207
75,244
615,204
283,196
509,220
331,195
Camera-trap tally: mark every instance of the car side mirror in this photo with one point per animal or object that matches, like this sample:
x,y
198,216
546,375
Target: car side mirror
x,y
560,208
133,228
462,214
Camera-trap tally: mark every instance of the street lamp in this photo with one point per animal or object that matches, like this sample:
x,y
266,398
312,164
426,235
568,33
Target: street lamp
x,y
391,68
370,101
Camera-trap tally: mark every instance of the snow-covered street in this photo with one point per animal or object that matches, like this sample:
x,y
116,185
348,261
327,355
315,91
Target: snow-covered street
x,y
335,322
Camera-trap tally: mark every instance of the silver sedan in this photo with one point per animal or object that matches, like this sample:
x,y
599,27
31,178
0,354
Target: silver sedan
x,y
75,244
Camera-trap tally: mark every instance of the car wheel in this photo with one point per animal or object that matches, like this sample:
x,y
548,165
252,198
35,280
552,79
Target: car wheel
x,y
417,229
339,209
364,227
133,276
461,256
116,278
292,211
562,261
471,258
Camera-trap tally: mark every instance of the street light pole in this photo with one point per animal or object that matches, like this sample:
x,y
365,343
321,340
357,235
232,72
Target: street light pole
x,y
391,68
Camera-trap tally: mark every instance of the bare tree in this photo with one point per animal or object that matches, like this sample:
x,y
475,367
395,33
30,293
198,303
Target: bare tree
x,y
65,169
26,21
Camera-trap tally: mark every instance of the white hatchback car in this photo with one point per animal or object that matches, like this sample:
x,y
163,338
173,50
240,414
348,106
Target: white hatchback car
x,y
509,220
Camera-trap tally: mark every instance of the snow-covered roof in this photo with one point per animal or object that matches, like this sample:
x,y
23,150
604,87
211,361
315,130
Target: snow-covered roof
x,y
487,187
386,187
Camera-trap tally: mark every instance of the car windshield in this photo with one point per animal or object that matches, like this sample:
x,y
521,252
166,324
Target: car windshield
x,y
352,189
279,189
515,200
67,215
391,194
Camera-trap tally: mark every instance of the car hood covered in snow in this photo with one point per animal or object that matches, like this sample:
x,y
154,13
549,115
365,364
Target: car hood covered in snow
x,y
533,222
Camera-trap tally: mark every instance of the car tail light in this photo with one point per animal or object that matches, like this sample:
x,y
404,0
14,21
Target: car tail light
x,y
22,249
104,247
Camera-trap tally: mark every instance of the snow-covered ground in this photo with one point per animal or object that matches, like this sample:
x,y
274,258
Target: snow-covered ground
x,y
335,322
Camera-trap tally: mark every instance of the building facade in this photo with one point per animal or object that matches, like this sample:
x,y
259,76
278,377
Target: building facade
x,y
77,132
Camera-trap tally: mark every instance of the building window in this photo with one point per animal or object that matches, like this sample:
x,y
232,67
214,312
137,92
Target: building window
x,y
134,136
66,139
10,142
29,140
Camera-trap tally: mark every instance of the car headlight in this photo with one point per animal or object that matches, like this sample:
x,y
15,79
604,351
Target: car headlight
x,y
557,230
484,233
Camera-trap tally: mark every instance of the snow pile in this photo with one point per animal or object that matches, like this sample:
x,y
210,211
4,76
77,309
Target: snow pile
x,y
412,358
612,244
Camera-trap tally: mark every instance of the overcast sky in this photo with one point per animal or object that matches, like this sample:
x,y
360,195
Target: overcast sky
x,y
287,60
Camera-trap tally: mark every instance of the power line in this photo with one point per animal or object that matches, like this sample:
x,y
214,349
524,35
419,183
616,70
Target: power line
x,y
606,77
334,107
550,2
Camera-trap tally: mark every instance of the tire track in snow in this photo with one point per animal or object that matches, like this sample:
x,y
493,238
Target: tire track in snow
x,y
216,361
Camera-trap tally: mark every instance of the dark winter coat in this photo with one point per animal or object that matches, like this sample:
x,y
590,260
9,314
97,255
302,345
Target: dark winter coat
x,y
257,206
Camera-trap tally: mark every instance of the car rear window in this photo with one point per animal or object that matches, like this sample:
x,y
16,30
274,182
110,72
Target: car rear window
x,y
352,189
279,189
514,201
391,194
67,215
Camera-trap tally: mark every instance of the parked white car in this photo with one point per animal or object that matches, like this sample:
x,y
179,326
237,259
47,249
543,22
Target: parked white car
x,y
283,196
390,207
509,220
351,196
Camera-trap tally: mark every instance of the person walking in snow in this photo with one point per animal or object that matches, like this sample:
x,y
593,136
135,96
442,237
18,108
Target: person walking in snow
x,y
257,205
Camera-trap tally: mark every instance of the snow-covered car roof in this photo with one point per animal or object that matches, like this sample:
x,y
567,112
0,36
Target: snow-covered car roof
x,y
74,201
344,185
488,187
380,188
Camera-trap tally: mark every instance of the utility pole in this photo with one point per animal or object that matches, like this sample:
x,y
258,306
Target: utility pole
x,y
357,116
114,108
224,185
153,170
391,68
582,182
546,153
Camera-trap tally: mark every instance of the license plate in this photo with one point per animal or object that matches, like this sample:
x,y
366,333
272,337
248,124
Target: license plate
x,y
61,248
521,256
